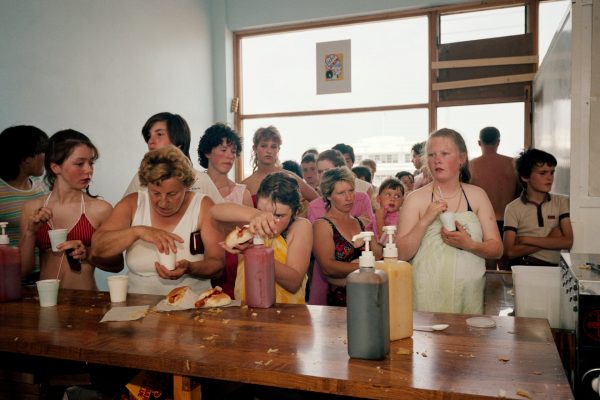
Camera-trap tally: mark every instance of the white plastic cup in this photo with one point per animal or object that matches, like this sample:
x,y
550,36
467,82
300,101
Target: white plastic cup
x,y
117,287
167,260
57,236
48,292
448,219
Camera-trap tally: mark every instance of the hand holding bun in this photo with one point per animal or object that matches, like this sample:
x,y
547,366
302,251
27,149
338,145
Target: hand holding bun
x,y
214,297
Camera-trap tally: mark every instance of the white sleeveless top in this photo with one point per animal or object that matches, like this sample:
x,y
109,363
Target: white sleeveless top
x,y
236,195
141,255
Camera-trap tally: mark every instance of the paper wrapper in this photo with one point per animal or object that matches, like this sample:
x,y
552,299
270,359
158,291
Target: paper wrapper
x,y
125,313
188,301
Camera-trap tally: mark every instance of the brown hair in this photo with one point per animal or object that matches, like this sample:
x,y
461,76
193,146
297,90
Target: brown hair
x,y
330,178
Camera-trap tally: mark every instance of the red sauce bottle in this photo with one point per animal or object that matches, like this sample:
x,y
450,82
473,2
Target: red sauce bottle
x,y
10,268
259,275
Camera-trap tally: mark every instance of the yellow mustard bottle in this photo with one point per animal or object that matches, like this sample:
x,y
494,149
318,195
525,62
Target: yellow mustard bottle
x,y
400,288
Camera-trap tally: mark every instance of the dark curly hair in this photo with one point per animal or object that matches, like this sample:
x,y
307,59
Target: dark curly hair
x,y
214,136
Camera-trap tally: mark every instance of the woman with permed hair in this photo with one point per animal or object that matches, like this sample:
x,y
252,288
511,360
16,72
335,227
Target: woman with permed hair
x,y
69,163
166,217
265,159
276,218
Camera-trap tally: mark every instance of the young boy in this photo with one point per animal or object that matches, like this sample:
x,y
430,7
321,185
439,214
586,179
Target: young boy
x,y
537,224
390,198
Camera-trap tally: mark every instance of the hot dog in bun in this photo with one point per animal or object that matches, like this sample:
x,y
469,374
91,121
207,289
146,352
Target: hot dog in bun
x,y
176,295
213,298
238,236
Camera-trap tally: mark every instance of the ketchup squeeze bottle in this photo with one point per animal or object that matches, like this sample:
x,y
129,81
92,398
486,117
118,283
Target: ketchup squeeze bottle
x,y
10,268
259,274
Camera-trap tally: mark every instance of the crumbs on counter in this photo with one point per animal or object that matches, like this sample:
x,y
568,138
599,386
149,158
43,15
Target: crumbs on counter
x,y
524,393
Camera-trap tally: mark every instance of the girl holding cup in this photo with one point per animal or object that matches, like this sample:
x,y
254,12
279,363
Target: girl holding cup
x,y
449,266
69,164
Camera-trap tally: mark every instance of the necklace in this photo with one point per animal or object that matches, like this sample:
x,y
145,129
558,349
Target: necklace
x,y
444,197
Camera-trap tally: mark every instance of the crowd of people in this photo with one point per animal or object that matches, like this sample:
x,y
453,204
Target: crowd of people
x,y
309,210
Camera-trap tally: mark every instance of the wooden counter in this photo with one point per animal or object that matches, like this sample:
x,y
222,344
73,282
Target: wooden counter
x,y
292,346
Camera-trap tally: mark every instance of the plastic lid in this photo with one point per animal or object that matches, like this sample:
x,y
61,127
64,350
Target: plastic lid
x,y
366,259
258,240
390,250
4,237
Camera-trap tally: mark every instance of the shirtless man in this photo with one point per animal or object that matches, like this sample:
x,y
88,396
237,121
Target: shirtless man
x,y
495,174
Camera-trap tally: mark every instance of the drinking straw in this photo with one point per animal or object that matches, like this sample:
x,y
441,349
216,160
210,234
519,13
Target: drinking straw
x,y
60,264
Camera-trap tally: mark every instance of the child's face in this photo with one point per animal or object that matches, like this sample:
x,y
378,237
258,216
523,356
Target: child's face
x,y
541,178
390,199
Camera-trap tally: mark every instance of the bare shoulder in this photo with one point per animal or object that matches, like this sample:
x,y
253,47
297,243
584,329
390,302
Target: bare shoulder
x,y
301,224
476,195
418,197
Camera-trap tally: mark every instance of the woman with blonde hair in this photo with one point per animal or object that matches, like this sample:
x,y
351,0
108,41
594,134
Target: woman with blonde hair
x,y
167,217
265,159
448,265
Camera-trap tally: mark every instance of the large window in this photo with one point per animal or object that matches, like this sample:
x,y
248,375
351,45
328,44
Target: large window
x,y
278,70
370,133
392,104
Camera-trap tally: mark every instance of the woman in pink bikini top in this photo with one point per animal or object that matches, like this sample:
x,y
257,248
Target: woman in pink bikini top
x,y
69,166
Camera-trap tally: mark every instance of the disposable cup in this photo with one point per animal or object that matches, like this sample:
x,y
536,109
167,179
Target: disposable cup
x,y
57,236
448,219
48,292
167,260
117,286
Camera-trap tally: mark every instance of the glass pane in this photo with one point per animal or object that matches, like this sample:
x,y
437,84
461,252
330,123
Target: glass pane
x,y
468,121
482,24
551,15
278,70
372,135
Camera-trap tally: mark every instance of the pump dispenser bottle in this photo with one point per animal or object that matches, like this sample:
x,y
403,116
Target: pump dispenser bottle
x,y
400,281
367,307
259,274
10,268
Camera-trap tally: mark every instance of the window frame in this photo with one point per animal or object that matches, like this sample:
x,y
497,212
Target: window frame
x,y
433,15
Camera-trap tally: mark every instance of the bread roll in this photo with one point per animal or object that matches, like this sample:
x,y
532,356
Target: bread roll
x,y
238,236
213,298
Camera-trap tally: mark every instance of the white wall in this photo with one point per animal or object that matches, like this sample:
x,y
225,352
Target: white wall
x,y
564,123
103,67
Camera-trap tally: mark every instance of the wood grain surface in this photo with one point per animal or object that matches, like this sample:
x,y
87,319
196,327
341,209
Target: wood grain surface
x,y
293,346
